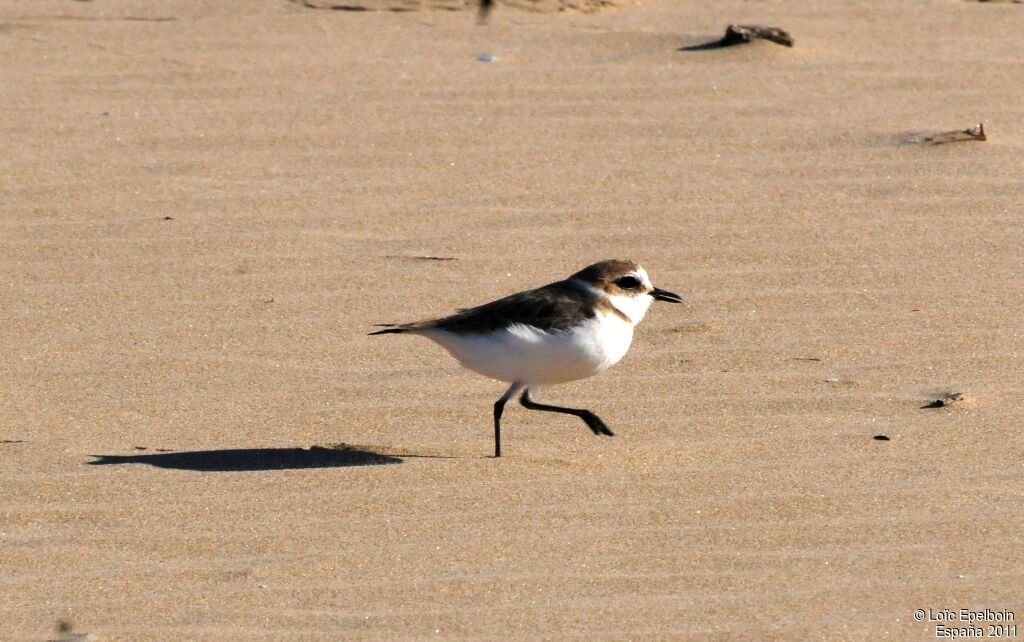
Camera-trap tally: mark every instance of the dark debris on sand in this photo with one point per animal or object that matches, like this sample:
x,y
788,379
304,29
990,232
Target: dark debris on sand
x,y
420,258
66,633
971,133
945,400
743,34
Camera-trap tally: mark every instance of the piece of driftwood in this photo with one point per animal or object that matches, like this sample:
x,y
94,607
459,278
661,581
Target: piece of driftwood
x,y
739,34
742,34
971,133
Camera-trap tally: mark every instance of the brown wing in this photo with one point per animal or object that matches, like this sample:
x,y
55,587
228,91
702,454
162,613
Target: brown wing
x,y
554,307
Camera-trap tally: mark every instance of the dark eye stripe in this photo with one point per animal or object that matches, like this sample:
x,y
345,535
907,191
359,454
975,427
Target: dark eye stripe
x,y
627,282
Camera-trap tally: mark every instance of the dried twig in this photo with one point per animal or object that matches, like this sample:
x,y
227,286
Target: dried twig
x,y
420,258
971,133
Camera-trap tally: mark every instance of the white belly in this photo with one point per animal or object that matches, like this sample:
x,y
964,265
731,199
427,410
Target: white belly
x,y
535,357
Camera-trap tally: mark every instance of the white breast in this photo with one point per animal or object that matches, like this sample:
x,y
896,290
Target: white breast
x,y
535,357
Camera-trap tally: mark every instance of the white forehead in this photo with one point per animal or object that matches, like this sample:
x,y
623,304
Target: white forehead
x,y
641,274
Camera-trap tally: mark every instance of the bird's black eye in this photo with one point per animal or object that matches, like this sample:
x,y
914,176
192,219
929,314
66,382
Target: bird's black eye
x,y
627,282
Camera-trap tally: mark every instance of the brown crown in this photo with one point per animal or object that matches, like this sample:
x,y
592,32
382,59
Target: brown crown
x,y
605,272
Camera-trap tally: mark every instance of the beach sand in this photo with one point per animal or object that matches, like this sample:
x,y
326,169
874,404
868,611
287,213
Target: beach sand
x,y
206,205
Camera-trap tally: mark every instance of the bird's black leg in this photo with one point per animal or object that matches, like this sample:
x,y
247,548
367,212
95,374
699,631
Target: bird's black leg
x,y
593,421
499,407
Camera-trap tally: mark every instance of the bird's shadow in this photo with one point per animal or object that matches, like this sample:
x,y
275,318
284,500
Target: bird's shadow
x,y
254,459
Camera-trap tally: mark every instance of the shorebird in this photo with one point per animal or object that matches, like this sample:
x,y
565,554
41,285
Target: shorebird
x,y
563,331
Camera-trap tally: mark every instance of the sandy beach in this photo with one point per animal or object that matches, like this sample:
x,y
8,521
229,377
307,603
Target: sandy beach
x,y
206,205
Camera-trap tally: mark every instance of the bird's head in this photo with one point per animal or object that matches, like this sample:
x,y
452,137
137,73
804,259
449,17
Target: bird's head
x,y
626,285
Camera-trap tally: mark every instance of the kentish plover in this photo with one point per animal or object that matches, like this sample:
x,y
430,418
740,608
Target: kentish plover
x,y
567,330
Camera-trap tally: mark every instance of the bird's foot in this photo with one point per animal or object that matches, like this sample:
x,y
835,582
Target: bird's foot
x,y
596,424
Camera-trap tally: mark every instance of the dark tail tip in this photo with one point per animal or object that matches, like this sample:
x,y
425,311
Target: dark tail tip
x,y
389,331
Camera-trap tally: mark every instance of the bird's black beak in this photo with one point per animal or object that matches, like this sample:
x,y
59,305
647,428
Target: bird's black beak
x,y
665,295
